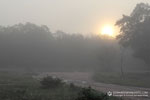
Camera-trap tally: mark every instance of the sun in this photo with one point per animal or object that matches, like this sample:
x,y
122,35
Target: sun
x,y
107,30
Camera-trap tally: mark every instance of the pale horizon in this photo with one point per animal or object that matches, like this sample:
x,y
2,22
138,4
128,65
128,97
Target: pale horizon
x,y
71,16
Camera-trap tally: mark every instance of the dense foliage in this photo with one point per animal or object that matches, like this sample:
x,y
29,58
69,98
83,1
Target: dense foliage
x,y
90,94
135,31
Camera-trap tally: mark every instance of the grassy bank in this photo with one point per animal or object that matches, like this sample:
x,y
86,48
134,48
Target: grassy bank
x,y
136,79
21,86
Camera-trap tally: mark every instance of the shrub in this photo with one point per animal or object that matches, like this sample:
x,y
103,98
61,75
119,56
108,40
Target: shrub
x,y
49,82
90,94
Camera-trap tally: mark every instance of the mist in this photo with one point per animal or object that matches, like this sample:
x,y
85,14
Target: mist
x,y
74,50
32,47
77,16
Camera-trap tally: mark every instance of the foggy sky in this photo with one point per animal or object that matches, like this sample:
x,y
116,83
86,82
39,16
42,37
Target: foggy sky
x,y
75,16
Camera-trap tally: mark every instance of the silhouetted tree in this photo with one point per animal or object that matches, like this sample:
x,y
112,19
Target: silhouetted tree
x,y
135,31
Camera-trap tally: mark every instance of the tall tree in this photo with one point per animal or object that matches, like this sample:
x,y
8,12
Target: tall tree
x,y
135,31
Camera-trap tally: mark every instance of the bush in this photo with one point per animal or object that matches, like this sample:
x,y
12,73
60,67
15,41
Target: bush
x,y
49,82
90,94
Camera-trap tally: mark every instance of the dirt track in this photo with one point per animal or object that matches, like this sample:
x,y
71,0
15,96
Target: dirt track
x,y
85,80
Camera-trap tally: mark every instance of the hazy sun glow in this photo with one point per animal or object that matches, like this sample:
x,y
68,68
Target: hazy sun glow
x,y
107,30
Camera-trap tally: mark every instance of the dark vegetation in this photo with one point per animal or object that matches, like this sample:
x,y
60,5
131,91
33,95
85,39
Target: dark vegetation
x,y
49,82
135,31
21,86
90,94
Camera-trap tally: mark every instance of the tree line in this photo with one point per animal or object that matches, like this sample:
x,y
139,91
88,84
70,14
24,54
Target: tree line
x,y
36,47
